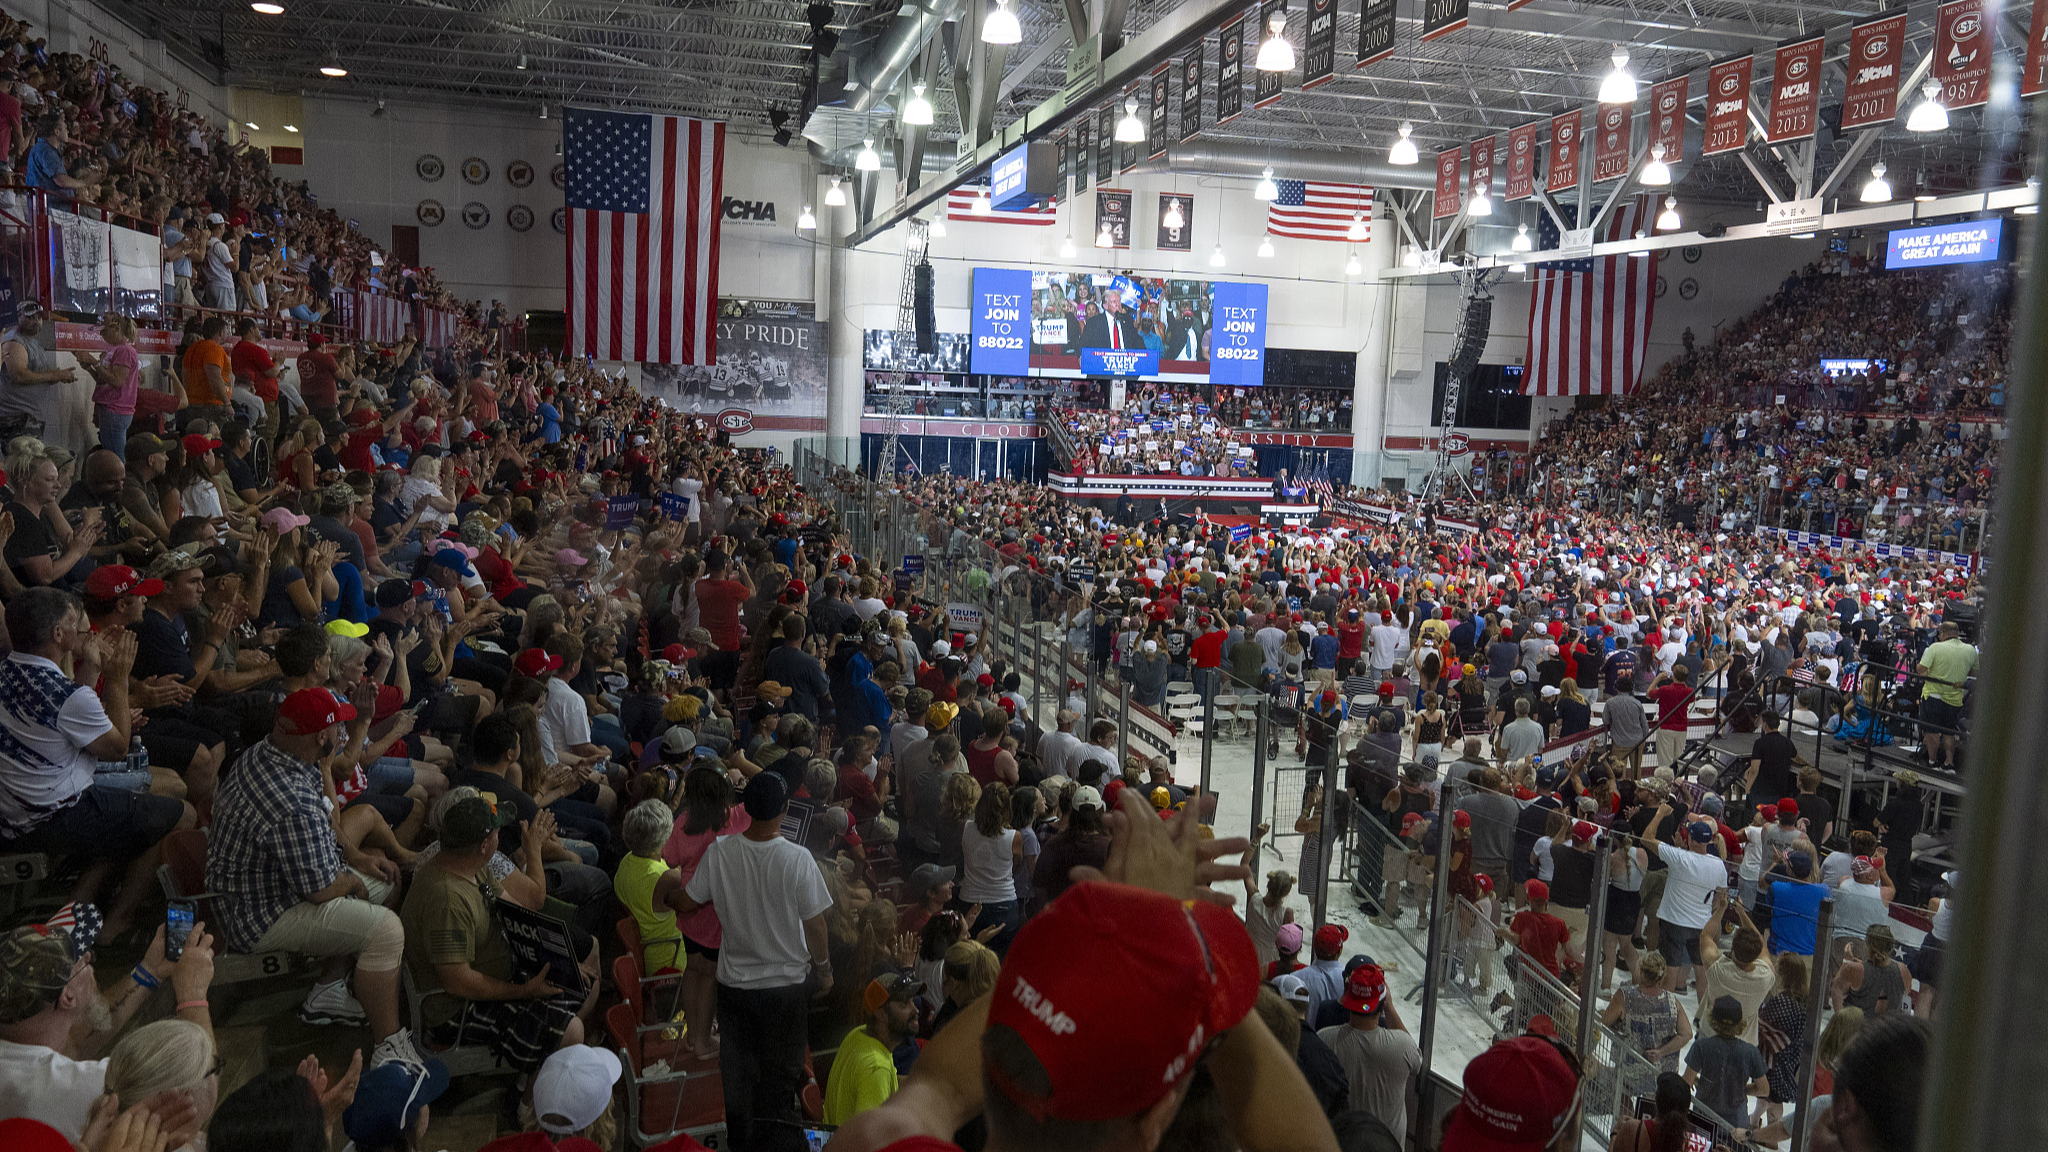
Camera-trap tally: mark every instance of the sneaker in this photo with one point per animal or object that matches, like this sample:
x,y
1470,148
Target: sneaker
x,y
397,1047
331,1004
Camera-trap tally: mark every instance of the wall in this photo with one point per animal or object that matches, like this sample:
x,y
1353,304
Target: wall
x,y
71,26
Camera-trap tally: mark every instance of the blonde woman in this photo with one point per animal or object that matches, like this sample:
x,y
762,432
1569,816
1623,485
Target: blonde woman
x,y
296,467
422,493
175,1056
1658,1028
957,799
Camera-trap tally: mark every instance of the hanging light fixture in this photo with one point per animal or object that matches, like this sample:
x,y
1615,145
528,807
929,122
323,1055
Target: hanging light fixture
x,y
291,127
918,110
1357,231
1878,189
1105,238
1921,192
868,160
1000,25
1266,246
1619,86
251,126
1480,205
1667,220
2034,186
1173,217
1130,129
268,9
835,197
1276,54
1518,267
1928,115
1216,257
1267,189
521,65
1403,151
805,222
938,226
1521,242
1067,249
982,206
1640,250
1352,267
334,71
1655,174
1413,257
543,109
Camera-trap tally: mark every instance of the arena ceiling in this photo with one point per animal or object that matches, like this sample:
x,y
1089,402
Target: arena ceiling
x,y
752,63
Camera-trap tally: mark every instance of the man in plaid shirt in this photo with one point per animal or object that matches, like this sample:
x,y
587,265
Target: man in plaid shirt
x,y
284,884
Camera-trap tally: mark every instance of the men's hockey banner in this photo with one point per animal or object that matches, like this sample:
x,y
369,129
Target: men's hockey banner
x,y
1161,86
1877,49
1442,16
1083,163
772,363
1230,72
1611,146
1449,166
1522,161
1564,152
1190,95
1795,91
1962,54
1667,117
1319,44
1727,106
1479,176
1375,31
1266,86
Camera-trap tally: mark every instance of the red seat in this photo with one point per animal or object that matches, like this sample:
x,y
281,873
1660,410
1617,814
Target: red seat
x,y
688,1098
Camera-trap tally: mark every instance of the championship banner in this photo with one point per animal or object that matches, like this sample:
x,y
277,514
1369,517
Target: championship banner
x,y
2034,76
1105,141
1522,161
1230,72
1191,95
1266,86
1564,152
1611,146
1795,91
1727,125
1127,153
1155,127
1877,49
1375,31
1083,164
1962,54
1441,16
1113,212
1480,177
1319,44
1667,117
1062,149
1449,166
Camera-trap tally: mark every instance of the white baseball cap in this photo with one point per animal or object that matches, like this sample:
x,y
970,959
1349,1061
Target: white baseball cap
x,y
574,1088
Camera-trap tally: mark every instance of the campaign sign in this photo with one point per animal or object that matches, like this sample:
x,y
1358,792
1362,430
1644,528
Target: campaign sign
x,y
1001,322
1118,362
1970,242
914,565
619,512
674,506
537,942
1237,345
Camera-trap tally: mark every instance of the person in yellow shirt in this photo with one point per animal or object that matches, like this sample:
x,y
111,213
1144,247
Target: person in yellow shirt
x,y
864,1072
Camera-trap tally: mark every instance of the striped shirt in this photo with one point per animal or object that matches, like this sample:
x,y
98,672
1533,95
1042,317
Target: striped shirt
x,y
272,843
46,722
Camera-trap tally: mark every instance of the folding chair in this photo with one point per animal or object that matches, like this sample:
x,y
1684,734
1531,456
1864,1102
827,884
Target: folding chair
x,y
182,876
462,1059
668,1092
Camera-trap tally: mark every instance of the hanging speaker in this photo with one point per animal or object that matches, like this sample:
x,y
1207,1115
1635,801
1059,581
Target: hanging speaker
x,y
1470,340
923,310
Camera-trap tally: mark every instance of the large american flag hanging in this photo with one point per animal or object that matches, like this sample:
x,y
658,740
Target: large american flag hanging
x,y
644,201
1315,210
1589,320
960,206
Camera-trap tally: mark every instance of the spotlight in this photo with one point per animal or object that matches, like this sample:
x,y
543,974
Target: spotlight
x,y
1878,189
982,206
1173,217
1481,204
1655,174
1000,25
1521,242
1518,267
782,137
333,69
1357,231
918,110
1352,267
1403,151
1412,258
267,8
1266,246
543,110
291,128
1130,129
806,222
1619,86
2034,186
868,160
252,126
1667,220
1267,189
938,226
1105,238
1276,54
1067,249
1928,115
1640,234
835,197
1216,257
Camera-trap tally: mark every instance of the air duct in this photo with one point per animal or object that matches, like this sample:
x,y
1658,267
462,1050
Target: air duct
x,y
936,159
875,68
1222,158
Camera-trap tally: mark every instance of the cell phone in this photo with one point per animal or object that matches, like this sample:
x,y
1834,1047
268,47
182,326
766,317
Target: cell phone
x,y
178,917
420,705
817,1138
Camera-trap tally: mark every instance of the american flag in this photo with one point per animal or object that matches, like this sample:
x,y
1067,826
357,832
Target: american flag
x,y
644,201
1589,320
960,206
1319,486
1315,210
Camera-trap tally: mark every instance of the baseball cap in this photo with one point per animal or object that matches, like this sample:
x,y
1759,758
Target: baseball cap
x,y
766,796
311,710
392,593
1725,1008
1519,1094
571,557
1482,881
1330,938
1800,863
1788,809
1519,676
114,580
1461,819
1584,831
927,876
1159,980
771,688
1411,822
534,661
453,558
888,986
1767,811
388,1101
1863,869
175,561
466,822
940,714
283,520
574,1087
1702,831
37,960
195,444
348,628
215,218
678,743
1365,988
1292,989
1536,890
1087,796
1287,938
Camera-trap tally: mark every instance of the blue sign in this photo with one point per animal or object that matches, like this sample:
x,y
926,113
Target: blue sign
x,y
1237,343
619,512
1118,362
1970,242
1001,319
1239,533
675,505
914,565
1006,191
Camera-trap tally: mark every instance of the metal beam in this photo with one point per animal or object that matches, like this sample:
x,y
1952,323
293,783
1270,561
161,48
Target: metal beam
x,y
1541,195
1870,136
1077,21
1635,167
1764,182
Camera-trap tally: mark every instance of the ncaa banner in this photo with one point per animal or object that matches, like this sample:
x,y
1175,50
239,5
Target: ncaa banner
x,y
2034,76
1727,126
1127,153
1105,141
1230,72
1375,31
1266,86
1449,165
1795,90
1962,54
1611,146
1522,161
1155,129
1441,16
1480,177
1063,148
1084,153
1319,44
1667,117
1191,95
1877,48
1564,152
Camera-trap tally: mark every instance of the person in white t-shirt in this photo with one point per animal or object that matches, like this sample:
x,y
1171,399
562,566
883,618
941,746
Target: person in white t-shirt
x,y
1696,873
773,961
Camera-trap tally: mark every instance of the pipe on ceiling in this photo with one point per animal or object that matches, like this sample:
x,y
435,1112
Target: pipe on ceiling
x,y
936,159
876,70
1224,158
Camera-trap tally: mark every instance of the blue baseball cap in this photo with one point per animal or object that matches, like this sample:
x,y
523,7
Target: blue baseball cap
x,y
453,558
388,1101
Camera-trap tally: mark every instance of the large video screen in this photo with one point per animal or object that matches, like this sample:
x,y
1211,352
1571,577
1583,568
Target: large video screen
x,y
1112,324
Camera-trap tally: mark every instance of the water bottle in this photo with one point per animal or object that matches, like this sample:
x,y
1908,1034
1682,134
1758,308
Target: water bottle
x,y
138,756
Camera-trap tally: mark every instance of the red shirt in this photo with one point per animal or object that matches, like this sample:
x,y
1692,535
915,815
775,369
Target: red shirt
x,y
1671,701
1541,935
316,378
354,452
1350,641
251,362
854,785
718,607
1208,649
499,575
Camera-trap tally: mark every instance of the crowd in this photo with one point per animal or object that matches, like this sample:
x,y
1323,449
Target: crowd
x,y
1162,430
1293,409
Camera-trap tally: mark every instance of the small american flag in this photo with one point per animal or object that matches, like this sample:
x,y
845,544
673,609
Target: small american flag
x,y
1319,486
1589,320
960,206
644,201
1315,210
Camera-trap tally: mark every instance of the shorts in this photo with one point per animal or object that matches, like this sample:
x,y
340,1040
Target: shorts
x,y
390,775
1925,964
1624,908
522,1033
104,824
1940,714
1679,945
692,948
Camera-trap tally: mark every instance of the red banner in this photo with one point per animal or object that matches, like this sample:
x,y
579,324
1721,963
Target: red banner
x,y
1877,48
1522,160
1564,152
1481,175
1962,54
2034,78
1727,106
1611,146
1795,91
1667,117
1449,164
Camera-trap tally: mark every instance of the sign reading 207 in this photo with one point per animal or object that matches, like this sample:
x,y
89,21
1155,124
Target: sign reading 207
x,y
1001,317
